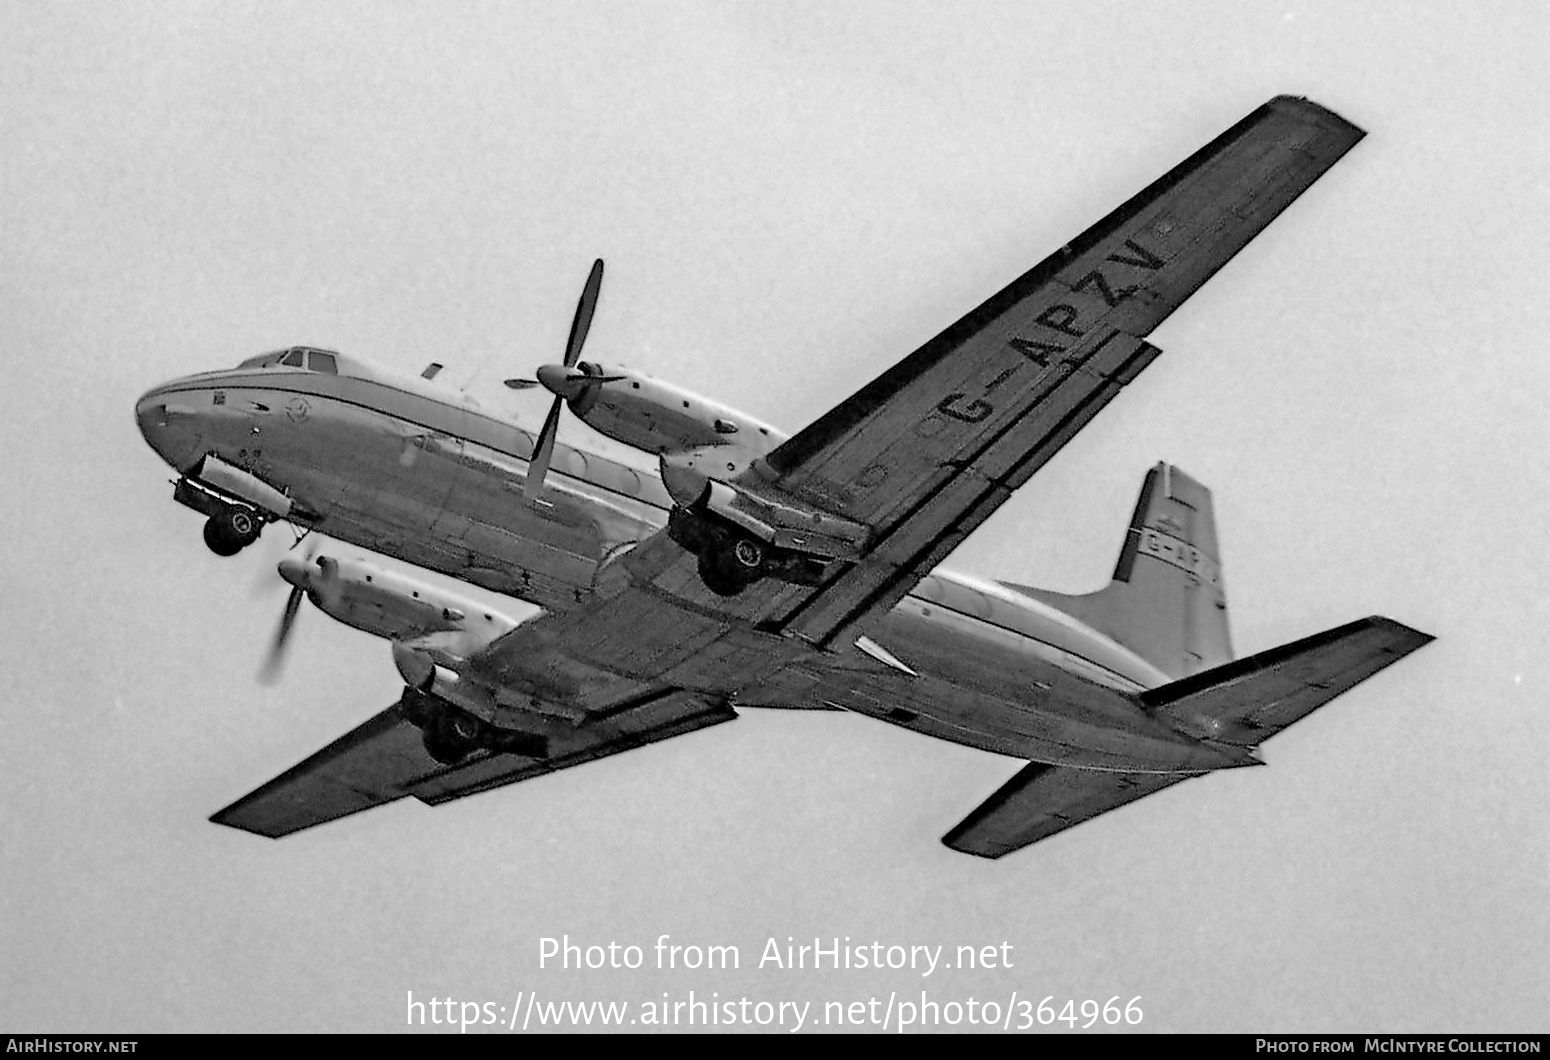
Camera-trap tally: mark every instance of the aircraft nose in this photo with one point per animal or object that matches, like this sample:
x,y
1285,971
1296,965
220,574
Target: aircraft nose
x,y
561,381
149,412
169,424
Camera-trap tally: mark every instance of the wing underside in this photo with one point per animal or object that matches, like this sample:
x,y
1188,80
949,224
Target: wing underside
x,y
1240,703
1042,800
385,760
927,451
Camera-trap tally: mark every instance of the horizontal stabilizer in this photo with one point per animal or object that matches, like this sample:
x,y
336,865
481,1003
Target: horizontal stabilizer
x,y
1240,703
1042,800
1251,699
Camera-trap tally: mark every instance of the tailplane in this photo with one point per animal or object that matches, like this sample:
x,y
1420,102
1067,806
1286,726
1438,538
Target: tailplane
x,y
1166,602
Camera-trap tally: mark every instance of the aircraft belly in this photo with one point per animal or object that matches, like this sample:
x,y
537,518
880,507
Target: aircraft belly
x,y
1005,695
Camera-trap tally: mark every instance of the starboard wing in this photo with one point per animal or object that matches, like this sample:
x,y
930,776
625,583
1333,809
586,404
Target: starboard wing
x,y
385,760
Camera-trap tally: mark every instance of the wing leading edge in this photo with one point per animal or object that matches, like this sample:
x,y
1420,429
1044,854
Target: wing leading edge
x,y
1242,703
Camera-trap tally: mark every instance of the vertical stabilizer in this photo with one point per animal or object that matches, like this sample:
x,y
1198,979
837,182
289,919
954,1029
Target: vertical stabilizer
x,y
1167,602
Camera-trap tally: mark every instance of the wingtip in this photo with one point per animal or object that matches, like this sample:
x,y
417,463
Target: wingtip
x,y
224,818
952,841
1408,637
1306,106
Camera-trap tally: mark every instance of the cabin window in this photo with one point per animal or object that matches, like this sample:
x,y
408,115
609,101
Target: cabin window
x,y
293,358
324,362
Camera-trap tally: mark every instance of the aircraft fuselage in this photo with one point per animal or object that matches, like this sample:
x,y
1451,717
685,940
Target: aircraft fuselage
x,y
426,475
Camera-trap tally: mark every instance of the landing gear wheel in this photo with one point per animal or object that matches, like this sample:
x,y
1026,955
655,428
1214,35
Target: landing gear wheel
x,y
748,553
724,573
231,530
453,736
242,525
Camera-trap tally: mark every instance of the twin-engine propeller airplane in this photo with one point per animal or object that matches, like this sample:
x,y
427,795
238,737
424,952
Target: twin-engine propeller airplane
x,y
759,570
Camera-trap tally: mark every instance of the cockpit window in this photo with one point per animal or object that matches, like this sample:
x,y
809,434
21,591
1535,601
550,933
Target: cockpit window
x,y
296,357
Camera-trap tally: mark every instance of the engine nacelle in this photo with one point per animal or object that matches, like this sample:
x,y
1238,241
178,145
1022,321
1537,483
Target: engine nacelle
x,y
371,598
658,417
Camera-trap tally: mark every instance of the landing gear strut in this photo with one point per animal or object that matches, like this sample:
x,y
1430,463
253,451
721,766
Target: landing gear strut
x,y
231,530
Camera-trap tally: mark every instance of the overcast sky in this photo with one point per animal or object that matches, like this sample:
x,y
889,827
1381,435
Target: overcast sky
x,y
790,198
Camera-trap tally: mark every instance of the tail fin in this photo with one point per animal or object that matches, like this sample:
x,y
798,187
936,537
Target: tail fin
x,y
1167,602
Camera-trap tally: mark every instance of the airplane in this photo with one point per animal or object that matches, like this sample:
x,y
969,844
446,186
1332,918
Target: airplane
x,y
756,569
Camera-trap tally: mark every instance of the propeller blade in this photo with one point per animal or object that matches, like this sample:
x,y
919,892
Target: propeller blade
x,y
543,449
584,309
277,650
543,445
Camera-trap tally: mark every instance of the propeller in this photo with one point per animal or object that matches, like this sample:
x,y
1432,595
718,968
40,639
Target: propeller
x,y
559,380
308,577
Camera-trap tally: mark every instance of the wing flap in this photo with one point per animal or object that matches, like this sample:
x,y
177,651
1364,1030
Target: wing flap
x,y
961,497
669,716
1042,800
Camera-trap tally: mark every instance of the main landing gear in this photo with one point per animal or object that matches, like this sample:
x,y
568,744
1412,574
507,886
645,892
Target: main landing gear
x,y
729,560
232,529
729,566
451,734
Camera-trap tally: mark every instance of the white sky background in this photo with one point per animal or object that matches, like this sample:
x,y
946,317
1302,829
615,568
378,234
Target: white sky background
x,y
790,198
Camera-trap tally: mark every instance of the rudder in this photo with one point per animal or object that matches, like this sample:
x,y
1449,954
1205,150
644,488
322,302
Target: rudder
x,y
1166,602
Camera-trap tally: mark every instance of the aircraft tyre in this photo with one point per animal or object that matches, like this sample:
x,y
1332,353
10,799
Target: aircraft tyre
x,y
725,572
452,736
748,553
230,531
